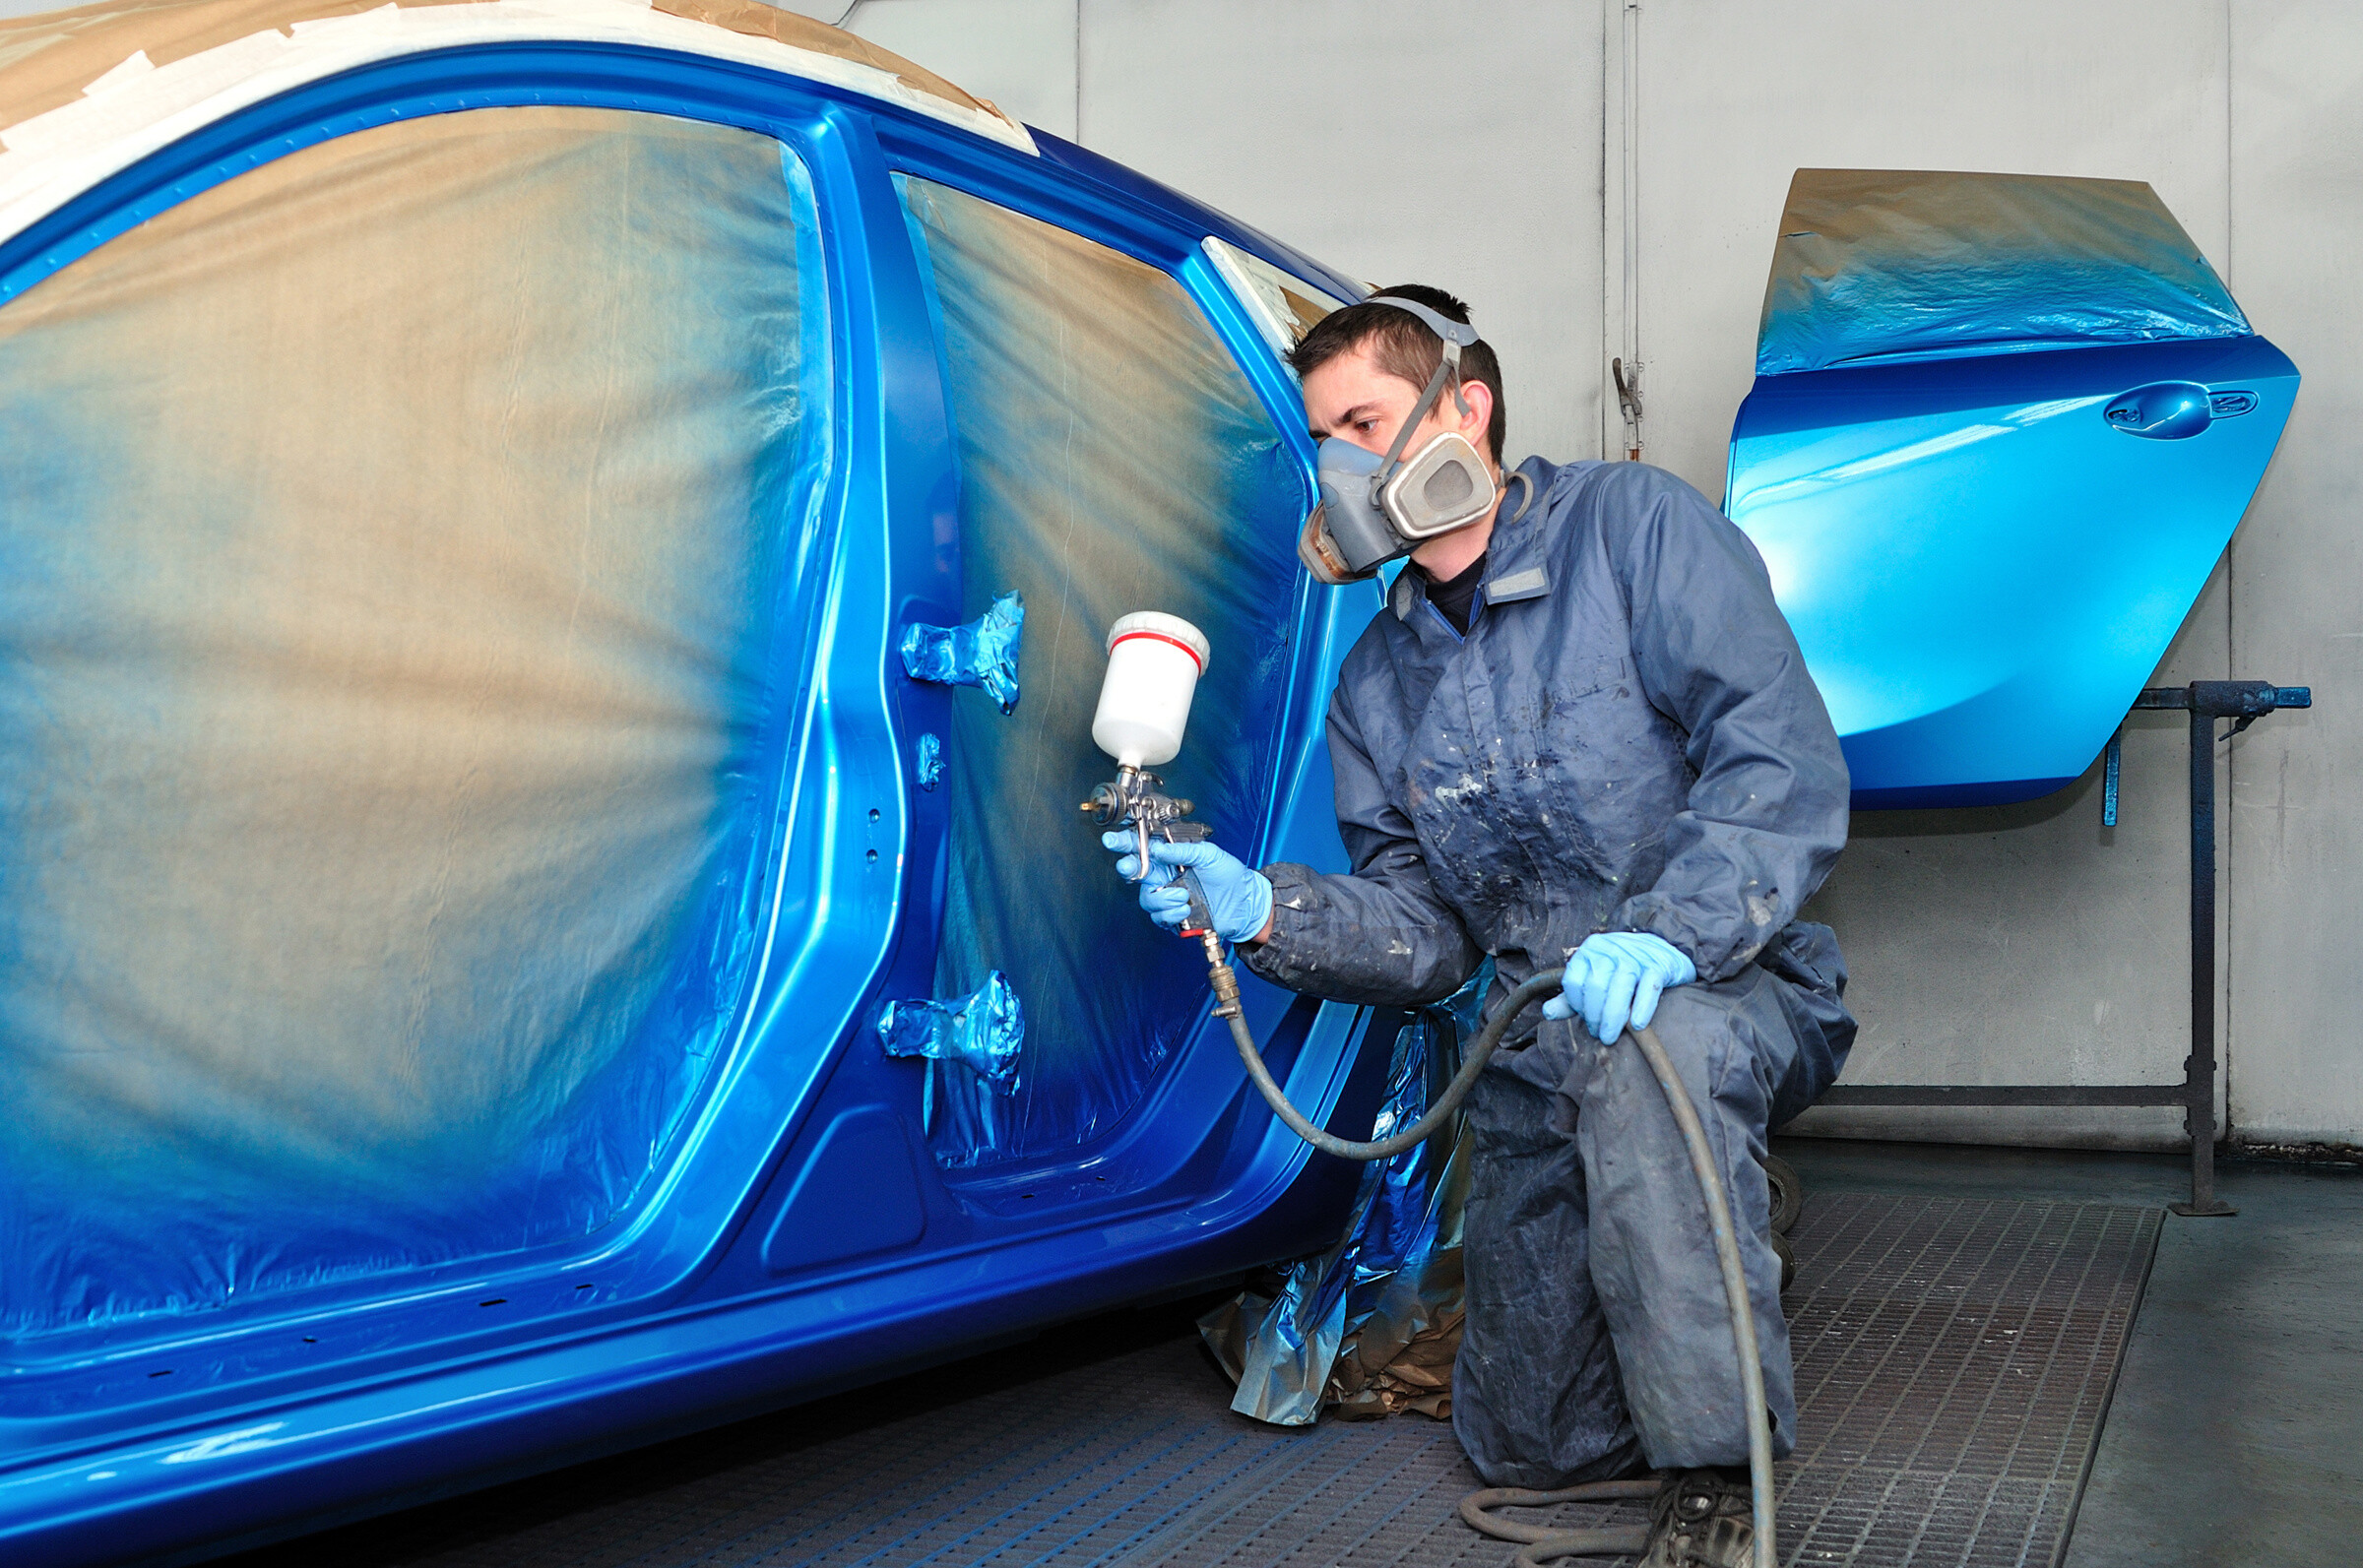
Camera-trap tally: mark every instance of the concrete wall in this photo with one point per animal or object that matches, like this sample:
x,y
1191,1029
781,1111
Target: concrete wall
x,y
2296,838
1257,108
1489,147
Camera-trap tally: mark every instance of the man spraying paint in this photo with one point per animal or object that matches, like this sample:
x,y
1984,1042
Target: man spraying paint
x,y
1579,736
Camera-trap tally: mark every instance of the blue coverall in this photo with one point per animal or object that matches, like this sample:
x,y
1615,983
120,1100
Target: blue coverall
x,y
1625,739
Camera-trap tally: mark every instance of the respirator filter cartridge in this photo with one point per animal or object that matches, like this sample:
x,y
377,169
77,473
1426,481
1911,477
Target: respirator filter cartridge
x,y
1154,662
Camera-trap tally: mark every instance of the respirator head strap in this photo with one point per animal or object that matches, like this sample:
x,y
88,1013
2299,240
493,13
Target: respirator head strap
x,y
1518,477
1457,334
1413,419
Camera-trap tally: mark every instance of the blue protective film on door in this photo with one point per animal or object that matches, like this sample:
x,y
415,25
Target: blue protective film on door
x,y
1342,1328
393,548
1884,264
1113,458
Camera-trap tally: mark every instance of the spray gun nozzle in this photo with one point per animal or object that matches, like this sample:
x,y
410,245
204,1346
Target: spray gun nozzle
x,y
1134,800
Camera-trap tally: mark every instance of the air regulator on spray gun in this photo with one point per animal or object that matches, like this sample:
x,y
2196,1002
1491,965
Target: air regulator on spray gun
x,y
1154,662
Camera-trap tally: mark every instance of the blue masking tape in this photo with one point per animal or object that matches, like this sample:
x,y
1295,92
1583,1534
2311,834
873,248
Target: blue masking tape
x,y
981,1030
982,654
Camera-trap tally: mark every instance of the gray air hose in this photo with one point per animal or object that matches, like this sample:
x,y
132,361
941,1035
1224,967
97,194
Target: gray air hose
x,y
1542,1545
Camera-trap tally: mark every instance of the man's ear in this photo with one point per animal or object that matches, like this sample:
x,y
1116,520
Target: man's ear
x,y
1472,426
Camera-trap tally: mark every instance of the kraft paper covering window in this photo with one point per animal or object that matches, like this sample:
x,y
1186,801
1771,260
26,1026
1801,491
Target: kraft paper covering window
x,y
1113,458
397,550
1884,264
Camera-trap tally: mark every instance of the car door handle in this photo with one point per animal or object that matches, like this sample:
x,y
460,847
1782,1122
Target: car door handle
x,y
2163,411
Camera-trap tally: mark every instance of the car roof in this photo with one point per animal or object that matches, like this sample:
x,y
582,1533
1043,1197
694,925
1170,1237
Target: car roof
x,y
49,60
90,91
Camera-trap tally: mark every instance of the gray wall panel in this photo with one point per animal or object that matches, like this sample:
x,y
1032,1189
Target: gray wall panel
x,y
1368,133
2026,944
2296,987
1019,53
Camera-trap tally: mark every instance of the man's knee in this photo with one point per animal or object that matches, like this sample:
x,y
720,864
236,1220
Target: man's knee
x,y
1716,1038
1757,1036
1703,1019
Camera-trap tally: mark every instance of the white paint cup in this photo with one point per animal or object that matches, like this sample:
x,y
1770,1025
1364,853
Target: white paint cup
x,y
1154,662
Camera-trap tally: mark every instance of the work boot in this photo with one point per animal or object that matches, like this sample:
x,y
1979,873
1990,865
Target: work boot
x,y
1700,1520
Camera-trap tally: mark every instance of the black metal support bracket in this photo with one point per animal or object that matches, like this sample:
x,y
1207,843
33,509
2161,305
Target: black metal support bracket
x,y
2244,702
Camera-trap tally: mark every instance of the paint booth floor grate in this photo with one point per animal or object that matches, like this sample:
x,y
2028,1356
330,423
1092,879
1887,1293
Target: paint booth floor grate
x,y
1954,1359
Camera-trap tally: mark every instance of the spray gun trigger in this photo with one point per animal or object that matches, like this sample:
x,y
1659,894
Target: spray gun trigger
x,y
1199,922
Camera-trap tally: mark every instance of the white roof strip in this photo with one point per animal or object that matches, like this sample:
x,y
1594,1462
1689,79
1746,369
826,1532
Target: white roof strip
x,y
138,108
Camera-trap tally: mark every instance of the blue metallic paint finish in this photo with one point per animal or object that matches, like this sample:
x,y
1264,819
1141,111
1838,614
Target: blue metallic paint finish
x,y
698,1309
1985,557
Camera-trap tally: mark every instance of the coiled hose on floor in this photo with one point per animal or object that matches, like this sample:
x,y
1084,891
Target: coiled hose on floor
x,y
1540,1545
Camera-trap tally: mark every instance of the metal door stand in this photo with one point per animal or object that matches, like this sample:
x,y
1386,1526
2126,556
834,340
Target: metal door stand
x,y
2244,702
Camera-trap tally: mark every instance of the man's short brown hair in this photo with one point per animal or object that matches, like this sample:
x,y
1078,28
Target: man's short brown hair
x,y
1402,345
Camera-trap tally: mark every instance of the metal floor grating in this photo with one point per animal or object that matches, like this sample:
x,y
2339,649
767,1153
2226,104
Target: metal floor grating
x,y
1954,1358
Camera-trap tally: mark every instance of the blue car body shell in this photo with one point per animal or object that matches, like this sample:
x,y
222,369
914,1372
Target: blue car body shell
x,y
768,1260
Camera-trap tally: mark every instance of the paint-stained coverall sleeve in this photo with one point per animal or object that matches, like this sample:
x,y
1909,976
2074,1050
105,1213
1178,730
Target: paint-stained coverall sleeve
x,y
1767,816
1381,938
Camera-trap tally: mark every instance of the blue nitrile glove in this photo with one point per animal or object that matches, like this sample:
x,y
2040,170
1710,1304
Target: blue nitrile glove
x,y
1238,897
1614,980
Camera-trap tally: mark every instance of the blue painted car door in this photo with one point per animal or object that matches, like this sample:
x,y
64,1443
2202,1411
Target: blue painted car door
x,y
2002,428
1119,438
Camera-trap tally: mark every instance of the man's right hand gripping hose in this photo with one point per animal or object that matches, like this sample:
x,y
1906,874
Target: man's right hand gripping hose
x,y
1540,1545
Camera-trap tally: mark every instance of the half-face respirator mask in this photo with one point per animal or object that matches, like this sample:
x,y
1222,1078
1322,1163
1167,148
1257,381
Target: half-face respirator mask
x,y
1373,508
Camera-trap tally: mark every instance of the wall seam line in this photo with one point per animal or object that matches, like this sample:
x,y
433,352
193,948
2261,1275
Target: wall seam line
x,y
1599,382
2231,631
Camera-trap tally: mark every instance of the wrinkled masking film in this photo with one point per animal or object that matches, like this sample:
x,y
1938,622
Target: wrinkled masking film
x,y
982,653
1883,264
407,794
1367,1324
930,760
1113,458
983,1031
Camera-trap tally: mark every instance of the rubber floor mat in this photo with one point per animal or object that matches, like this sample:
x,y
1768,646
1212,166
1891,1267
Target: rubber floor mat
x,y
1954,1362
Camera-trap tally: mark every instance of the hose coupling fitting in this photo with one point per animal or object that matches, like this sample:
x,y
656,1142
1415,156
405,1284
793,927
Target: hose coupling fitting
x,y
1226,988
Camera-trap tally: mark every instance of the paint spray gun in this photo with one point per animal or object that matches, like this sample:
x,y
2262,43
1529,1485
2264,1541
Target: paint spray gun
x,y
1154,662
